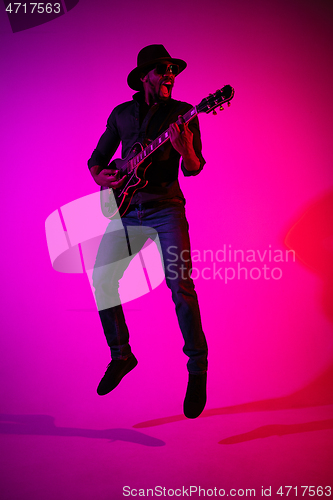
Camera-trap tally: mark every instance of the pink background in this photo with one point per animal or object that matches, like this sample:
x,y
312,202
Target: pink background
x,y
269,169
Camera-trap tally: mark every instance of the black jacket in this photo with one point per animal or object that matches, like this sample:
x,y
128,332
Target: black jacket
x,y
127,124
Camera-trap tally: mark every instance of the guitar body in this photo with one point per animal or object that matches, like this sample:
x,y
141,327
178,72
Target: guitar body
x,y
135,165
118,200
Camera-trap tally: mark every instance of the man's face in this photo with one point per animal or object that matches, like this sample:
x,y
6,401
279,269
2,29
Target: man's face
x,y
158,83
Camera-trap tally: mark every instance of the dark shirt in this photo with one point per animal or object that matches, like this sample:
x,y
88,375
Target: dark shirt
x,y
127,124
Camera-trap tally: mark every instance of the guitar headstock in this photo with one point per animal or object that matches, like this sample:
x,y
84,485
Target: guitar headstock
x,y
221,96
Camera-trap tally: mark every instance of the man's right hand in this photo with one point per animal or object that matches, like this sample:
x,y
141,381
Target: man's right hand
x,y
107,177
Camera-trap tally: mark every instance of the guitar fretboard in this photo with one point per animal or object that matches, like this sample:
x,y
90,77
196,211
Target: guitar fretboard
x,y
156,143
207,105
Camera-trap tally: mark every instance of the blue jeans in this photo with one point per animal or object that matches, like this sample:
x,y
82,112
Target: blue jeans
x,y
168,223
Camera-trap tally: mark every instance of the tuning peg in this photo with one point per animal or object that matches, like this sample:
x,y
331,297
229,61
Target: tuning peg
x,y
229,104
221,108
214,112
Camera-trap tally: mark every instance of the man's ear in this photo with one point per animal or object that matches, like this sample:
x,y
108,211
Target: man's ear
x,y
144,77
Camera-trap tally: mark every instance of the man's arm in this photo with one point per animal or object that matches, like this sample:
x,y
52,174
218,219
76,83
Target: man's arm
x,y
182,141
101,156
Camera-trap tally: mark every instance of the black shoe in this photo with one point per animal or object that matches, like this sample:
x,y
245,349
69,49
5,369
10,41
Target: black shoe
x,y
196,397
116,370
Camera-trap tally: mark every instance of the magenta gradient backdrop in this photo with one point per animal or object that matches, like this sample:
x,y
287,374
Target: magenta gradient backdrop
x,y
269,160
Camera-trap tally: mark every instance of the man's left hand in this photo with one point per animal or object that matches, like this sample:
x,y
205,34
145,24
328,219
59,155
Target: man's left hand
x,y
182,141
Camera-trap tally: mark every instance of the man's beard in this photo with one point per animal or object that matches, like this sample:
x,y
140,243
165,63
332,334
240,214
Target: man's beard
x,y
157,94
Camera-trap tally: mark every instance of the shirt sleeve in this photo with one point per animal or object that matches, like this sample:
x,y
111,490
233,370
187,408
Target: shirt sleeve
x,y
197,146
108,143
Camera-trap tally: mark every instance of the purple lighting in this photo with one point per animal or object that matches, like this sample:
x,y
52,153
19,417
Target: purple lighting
x,y
264,191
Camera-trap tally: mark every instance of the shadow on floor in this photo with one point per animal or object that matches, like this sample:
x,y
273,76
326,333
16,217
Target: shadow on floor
x,y
43,425
311,237
317,393
279,430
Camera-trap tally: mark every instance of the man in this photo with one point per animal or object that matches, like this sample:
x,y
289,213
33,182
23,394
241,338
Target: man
x,y
157,209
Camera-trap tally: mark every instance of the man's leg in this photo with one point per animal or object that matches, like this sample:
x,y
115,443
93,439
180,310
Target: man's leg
x,y
112,260
172,228
175,245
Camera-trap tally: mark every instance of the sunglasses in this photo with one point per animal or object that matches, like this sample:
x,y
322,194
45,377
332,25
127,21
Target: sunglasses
x,y
162,69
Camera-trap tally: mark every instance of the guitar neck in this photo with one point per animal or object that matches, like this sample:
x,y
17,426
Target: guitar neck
x,y
207,105
161,139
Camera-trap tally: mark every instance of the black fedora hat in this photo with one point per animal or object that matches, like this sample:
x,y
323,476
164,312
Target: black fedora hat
x,y
148,57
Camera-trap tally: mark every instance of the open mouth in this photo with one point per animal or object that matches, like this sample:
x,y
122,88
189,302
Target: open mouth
x,y
165,88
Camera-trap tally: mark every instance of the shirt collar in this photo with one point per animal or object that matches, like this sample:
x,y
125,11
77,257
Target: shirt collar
x,y
140,98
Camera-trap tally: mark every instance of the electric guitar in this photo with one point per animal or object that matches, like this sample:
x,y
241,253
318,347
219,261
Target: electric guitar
x,y
135,165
